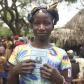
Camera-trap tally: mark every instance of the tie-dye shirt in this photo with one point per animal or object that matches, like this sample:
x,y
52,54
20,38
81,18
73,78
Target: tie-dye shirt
x,y
54,56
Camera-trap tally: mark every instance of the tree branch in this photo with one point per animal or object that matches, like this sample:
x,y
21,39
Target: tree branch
x,y
6,3
82,3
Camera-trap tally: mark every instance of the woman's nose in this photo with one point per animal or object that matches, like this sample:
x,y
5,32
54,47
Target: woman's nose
x,y
42,27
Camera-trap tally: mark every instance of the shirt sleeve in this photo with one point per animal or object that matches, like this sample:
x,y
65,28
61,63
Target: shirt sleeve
x,y
65,63
12,60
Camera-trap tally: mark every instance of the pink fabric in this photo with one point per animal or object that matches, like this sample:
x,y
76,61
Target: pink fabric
x,y
19,43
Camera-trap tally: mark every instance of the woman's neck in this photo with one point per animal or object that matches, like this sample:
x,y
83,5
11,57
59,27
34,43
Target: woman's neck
x,y
40,44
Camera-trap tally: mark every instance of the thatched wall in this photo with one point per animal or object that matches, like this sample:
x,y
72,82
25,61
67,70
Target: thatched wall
x,y
62,36
72,35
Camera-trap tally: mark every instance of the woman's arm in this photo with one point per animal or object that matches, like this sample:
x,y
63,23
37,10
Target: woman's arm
x,y
24,67
13,78
53,75
67,76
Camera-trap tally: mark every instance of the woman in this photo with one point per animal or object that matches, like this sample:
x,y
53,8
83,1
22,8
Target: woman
x,y
3,73
39,62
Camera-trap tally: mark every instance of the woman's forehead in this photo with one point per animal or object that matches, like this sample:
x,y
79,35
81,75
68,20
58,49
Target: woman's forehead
x,y
42,13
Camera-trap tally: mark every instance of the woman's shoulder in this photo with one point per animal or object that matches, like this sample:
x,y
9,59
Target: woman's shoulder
x,y
60,50
22,47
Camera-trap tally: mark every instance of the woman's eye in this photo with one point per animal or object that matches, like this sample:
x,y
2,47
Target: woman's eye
x,y
36,23
47,23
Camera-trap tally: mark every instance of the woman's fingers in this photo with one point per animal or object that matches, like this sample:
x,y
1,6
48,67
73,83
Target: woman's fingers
x,y
27,72
45,76
24,64
46,71
28,68
50,73
28,61
47,68
43,72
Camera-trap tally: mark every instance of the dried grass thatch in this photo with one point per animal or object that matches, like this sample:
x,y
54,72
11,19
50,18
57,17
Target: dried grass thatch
x,y
77,24
61,36
72,34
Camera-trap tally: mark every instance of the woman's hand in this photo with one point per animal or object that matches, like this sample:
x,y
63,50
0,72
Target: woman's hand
x,y
24,67
51,74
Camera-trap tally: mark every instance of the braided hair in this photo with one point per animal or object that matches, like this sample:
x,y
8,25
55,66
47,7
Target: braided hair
x,y
52,12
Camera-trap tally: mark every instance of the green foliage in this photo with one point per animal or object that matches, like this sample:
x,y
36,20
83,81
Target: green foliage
x,y
30,34
24,2
28,1
15,14
8,16
4,31
72,1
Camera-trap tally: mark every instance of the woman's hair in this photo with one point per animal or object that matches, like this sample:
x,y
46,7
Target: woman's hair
x,y
52,12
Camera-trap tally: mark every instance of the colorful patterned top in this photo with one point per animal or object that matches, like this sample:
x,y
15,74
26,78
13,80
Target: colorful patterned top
x,y
53,56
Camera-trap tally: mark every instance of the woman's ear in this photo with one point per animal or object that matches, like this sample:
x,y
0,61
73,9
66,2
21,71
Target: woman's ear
x,y
52,27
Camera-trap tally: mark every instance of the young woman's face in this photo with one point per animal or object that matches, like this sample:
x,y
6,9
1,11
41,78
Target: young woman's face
x,y
42,25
